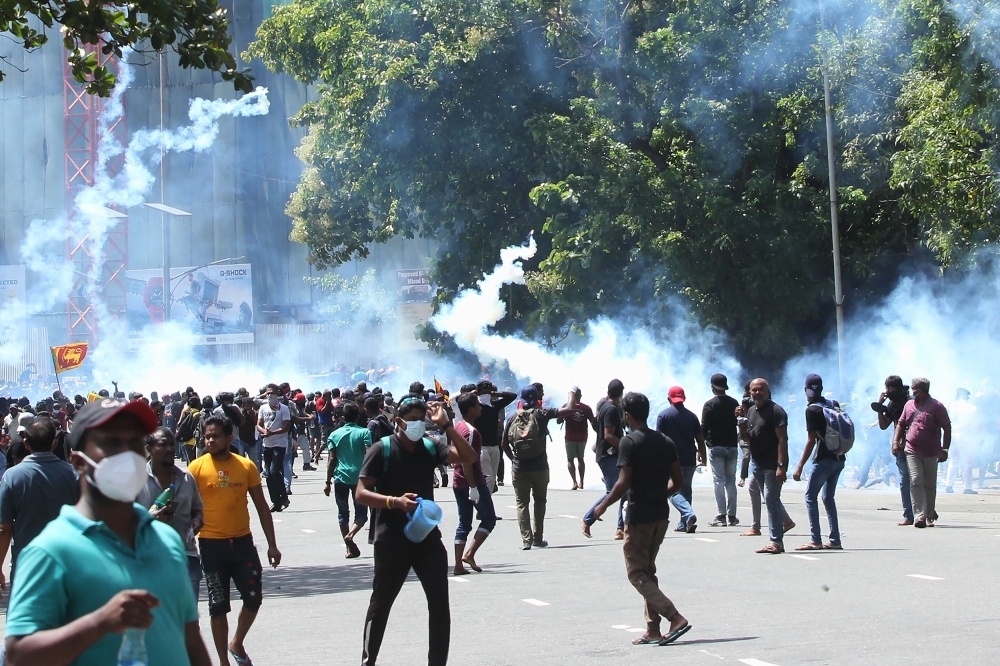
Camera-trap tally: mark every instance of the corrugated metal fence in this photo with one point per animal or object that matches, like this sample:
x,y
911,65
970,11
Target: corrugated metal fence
x,y
36,353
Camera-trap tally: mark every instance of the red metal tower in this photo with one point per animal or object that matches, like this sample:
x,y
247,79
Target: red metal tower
x,y
82,113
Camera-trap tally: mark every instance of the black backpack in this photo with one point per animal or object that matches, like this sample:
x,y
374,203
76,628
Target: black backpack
x,y
185,428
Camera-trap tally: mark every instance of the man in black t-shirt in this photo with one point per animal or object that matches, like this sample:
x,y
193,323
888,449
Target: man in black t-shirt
x,y
494,402
393,488
718,422
609,434
765,427
646,458
898,394
827,467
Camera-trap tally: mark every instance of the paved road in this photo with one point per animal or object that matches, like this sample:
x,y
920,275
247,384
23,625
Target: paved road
x,y
859,606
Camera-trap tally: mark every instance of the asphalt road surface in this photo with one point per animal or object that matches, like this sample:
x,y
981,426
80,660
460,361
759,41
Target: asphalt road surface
x,y
894,595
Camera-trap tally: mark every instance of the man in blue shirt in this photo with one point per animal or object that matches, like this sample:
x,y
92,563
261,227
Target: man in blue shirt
x,y
105,565
682,426
33,492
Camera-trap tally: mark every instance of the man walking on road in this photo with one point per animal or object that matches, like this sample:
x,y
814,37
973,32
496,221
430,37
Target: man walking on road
x,y
922,425
488,424
273,423
348,445
645,459
722,437
225,482
577,433
681,426
765,427
827,467
609,434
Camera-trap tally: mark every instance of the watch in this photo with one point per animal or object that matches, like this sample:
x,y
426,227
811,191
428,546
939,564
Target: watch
x,y
782,465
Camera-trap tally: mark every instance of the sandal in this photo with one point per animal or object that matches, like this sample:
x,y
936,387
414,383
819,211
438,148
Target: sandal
x,y
810,546
832,546
772,549
751,532
646,640
241,661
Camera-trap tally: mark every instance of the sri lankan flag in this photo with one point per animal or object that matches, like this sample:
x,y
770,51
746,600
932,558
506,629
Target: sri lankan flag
x,y
438,388
69,357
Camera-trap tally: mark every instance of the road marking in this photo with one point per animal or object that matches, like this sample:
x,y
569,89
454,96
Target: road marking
x,y
712,654
511,507
536,602
620,626
563,515
706,540
923,577
309,531
636,630
457,579
756,662
278,520
803,557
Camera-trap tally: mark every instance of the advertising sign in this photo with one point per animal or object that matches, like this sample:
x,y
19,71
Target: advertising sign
x,y
413,305
13,312
214,302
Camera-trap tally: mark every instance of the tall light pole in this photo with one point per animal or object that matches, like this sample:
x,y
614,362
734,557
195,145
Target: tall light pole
x,y
838,287
165,230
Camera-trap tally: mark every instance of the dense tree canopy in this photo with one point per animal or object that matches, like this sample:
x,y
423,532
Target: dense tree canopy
x,y
197,30
661,147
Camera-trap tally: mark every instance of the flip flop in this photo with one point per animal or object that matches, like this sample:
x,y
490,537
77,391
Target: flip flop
x,y
242,661
674,635
642,640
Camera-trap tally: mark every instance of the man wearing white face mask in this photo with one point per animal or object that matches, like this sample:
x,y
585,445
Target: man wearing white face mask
x,y
488,424
105,565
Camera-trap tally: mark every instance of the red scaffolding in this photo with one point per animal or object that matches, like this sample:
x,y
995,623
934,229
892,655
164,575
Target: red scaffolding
x,y
82,113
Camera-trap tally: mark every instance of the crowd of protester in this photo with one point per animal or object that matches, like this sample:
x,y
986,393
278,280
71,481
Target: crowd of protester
x,y
119,498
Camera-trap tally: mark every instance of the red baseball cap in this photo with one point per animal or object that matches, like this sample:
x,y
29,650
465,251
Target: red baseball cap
x,y
676,395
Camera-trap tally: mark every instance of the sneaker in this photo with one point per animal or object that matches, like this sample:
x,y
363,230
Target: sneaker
x,y
733,521
969,491
499,483
526,545
540,544
294,475
949,489
920,523
275,508
288,491
308,468
720,521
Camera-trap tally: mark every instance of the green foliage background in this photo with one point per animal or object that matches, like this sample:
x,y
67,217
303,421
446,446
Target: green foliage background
x,y
661,148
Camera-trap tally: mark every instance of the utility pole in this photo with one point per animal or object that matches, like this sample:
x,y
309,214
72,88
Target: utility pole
x,y
838,287
164,222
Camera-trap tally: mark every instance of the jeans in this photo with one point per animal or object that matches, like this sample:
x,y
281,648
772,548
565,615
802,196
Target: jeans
x,y
642,544
274,461
526,485
487,514
286,468
682,500
195,573
342,492
772,498
393,560
723,460
904,485
875,450
923,485
609,468
825,474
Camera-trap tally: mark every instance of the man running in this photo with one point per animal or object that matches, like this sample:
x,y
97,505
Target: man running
x,y
393,485
645,459
228,553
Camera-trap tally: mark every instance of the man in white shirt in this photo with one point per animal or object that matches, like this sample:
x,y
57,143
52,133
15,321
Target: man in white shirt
x,y
273,423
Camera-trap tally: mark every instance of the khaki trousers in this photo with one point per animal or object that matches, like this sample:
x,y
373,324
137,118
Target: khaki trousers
x,y
526,485
642,543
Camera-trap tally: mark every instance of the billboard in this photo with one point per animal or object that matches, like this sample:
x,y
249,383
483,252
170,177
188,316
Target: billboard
x,y
413,305
214,302
13,310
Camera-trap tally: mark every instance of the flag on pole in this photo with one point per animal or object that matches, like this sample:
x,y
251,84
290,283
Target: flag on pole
x,y
69,357
437,387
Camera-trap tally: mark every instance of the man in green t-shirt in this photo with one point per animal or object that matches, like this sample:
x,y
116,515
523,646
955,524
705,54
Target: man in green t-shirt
x,y
105,565
347,446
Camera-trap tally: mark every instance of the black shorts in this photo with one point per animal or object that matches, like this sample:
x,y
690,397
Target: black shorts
x,y
231,560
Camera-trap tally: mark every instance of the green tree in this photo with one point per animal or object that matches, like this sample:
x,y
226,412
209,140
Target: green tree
x,y
197,30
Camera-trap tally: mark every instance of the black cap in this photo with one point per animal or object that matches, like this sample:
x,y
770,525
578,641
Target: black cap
x,y
720,382
97,413
814,386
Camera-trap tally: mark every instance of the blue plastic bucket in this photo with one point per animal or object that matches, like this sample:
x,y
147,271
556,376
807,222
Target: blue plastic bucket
x,y
425,518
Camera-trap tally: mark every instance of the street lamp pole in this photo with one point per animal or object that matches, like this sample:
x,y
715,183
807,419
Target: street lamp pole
x,y
166,211
838,288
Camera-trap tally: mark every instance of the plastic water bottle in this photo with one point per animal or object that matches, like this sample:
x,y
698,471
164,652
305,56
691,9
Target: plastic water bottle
x,y
164,497
133,650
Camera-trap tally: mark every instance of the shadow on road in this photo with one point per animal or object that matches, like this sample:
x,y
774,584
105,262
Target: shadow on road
x,y
317,580
708,641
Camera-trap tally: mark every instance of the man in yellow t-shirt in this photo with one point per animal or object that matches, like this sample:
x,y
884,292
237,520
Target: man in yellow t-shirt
x,y
225,541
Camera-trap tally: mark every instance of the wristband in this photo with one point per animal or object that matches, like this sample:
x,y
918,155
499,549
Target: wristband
x,y
388,502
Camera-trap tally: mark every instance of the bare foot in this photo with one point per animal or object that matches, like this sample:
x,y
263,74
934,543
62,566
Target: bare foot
x,y
459,571
471,561
585,528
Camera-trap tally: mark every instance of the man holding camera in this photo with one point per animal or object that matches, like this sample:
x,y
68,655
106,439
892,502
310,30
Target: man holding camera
x,y
897,395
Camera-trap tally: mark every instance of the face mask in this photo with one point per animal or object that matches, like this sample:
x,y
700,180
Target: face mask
x,y
119,477
272,401
485,400
415,430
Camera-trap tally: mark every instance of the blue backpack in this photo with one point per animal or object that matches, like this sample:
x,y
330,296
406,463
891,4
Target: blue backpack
x,y
839,436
